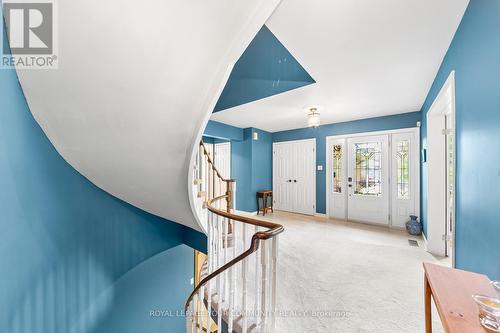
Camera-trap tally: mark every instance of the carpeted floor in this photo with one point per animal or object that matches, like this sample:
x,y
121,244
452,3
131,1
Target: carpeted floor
x,y
349,277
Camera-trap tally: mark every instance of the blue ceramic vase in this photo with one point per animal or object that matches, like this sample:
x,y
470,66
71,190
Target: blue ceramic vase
x,y
413,226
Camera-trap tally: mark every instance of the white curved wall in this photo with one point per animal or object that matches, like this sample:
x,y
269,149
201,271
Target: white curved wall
x,y
136,84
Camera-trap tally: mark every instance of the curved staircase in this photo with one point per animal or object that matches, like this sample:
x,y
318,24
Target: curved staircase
x,y
238,283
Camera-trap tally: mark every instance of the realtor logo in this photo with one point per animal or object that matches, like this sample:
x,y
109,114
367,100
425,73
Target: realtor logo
x,y
31,33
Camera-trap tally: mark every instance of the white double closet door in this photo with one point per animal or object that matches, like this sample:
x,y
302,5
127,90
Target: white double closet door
x,y
373,178
294,176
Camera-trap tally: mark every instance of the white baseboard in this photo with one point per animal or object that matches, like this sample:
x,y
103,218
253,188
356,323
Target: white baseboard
x,y
320,215
425,241
244,212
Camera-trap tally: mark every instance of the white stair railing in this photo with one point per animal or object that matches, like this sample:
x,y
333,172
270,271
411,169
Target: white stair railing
x,y
237,291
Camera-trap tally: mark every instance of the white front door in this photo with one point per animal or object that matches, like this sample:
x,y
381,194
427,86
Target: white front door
x,y
294,176
368,174
336,178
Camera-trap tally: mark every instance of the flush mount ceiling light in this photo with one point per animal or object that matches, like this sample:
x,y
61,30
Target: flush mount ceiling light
x,y
313,116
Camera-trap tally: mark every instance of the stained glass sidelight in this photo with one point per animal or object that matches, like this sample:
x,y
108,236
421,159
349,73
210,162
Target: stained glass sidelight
x,y
368,176
403,160
337,169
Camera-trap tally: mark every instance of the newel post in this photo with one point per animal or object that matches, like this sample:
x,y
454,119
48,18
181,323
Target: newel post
x,y
230,184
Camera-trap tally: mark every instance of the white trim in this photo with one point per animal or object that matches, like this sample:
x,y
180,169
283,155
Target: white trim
x,y
399,130
292,141
436,169
416,166
242,212
320,215
328,166
425,241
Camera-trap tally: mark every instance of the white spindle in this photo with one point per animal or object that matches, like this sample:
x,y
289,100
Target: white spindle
x,y
274,280
232,278
226,259
264,256
244,270
210,258
257,283
219,278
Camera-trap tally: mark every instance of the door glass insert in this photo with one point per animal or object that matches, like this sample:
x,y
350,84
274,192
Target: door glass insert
x,y
337,168
403,160
368,173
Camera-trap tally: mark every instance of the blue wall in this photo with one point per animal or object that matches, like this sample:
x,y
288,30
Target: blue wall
x,y
252,167
143,290
64,243
241,170
262,163
475,56
251,160
404,120
266,68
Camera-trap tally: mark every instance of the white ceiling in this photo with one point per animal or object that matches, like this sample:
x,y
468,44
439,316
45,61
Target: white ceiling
x,y
369,58
135,87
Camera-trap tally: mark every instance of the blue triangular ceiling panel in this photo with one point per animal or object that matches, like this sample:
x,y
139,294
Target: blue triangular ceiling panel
x,y
266,68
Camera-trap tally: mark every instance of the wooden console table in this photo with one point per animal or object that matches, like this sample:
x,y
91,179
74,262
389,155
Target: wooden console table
x,y
452,291
264,195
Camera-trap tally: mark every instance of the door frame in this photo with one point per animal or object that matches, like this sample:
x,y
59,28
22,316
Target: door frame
x,y
436,170
227,143
314,169
415,165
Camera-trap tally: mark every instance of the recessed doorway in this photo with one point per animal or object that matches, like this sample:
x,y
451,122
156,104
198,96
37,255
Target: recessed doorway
x,y
441,171
373,177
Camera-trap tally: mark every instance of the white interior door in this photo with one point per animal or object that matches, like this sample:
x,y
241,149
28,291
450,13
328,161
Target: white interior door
x,y
223,158
336,178
450,181
294,176
304,177
222,161
405,165
281,179
368,173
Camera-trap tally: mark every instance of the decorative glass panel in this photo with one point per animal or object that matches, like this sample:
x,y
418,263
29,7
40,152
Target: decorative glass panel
x,y
403,160
337,169
368,175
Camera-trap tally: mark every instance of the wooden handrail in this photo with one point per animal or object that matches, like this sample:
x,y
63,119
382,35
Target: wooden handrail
x,y
274,230
205,151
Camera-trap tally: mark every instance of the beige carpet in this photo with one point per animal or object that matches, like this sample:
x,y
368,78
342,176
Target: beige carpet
x,y
348,277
